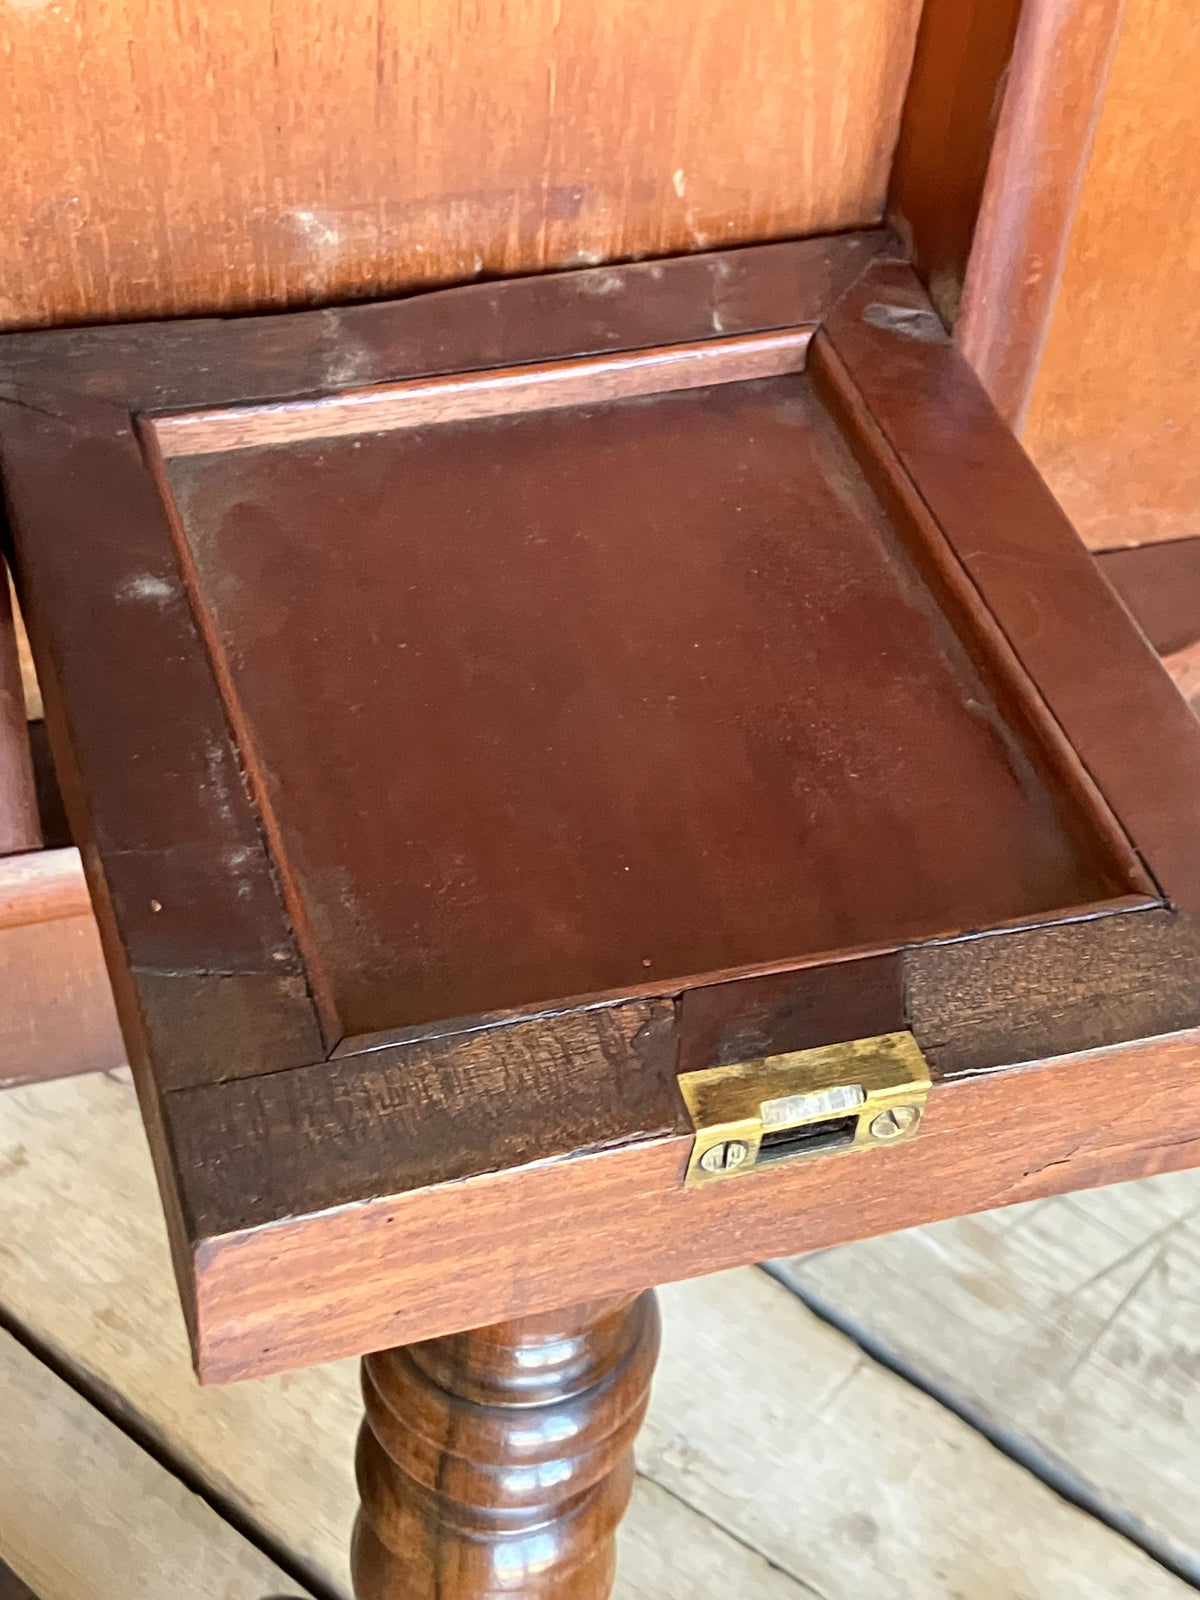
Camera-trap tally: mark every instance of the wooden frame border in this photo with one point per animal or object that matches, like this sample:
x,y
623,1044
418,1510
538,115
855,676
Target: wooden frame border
x,y
272,1227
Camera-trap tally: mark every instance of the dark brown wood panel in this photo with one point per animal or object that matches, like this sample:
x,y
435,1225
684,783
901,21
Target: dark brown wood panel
x,y
721,1024
201,362
1160,584
213,155
397,1268
418,1115
152,780
1098,676
556,703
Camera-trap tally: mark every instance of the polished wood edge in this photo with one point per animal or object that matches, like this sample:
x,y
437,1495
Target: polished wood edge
x,y
361,1277
318,983
978,629
42,886
1057,81
500,1461
954,94
1099,677
20,828
193,364
425,402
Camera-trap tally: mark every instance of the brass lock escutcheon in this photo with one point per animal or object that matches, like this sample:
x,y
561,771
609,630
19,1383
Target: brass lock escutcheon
x,y
834,1100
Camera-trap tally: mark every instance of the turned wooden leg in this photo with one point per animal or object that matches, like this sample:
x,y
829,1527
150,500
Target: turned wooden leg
x,y
499,1462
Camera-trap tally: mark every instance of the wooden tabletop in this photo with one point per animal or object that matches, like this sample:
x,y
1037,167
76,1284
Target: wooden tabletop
x,y
475,709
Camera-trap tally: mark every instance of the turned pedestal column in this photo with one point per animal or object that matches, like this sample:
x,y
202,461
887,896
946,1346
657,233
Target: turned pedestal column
x,y
499,1462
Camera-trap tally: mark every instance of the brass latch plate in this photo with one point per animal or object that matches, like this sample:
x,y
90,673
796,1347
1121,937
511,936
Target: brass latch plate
x,y
834,1100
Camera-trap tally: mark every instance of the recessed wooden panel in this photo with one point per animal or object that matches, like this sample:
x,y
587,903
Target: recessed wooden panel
x,y
553,703
807,648
200,156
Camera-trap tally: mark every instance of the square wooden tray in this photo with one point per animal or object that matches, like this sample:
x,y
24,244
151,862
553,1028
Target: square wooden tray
x,y
476,709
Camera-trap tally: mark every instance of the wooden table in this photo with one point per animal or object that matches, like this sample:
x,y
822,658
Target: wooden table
x,y
587,780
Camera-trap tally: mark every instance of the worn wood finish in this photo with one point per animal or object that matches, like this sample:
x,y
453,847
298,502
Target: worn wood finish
x,y
1112,420
19,828
768,1433
315,1286
427,402
1066,1327
501,1461
1056,84
957,86
233,159
196,362
802,604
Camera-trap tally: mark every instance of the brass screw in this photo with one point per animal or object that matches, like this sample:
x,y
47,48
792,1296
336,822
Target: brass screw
x,y
724,1157
899,1120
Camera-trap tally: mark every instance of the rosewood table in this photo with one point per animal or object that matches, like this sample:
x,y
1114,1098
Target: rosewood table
x,y
588,780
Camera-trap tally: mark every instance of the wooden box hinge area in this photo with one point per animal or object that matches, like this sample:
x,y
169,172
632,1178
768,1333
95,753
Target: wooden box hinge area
x,y
861,1095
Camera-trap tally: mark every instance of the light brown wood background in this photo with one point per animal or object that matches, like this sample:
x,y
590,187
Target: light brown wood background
x,y
217,154
1082,310
1114,419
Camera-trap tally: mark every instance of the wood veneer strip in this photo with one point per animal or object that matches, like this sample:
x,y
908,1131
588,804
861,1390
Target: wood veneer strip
x,y
426,402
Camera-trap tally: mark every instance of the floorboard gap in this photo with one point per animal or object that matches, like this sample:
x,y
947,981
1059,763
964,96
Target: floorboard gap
x,y
112,1405
1018,1447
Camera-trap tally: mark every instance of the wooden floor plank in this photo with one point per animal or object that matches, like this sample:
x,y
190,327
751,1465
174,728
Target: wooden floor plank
x,y
777,1463
84,1266
1067,1327
87,1515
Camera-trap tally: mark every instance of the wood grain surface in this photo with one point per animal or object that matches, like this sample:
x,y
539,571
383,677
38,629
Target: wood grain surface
x,y
1055,91
428,401
768,1490
318,1284
1098,676
219,157
1066,1330
315,1202
1112,421
500,1461
85,1514
686,740
959,74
